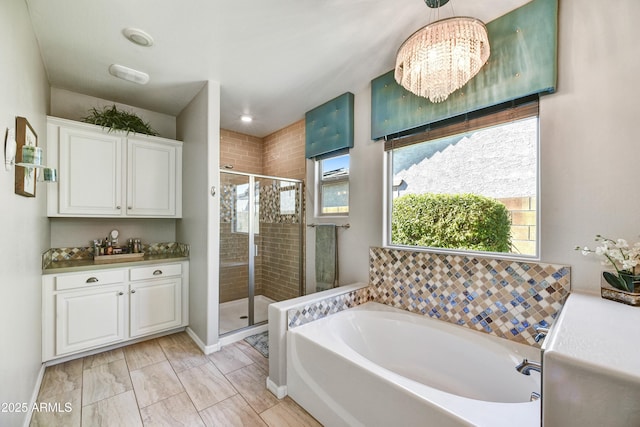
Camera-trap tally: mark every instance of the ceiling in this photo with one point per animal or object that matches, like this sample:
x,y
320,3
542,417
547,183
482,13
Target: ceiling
x,y
274,59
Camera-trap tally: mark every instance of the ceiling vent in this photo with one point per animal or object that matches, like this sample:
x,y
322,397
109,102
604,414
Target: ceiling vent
x,y
128,74
138,37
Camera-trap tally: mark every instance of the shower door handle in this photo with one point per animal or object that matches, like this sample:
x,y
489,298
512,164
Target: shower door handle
x,y
255,250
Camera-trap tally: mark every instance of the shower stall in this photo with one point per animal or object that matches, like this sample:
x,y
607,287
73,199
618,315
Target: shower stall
x,y
260,246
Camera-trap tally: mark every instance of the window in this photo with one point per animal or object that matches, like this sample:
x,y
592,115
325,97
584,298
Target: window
x,y
332,189
241,209
287,198
467,186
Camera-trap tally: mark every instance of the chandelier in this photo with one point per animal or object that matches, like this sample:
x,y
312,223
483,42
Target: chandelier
x,y
443,56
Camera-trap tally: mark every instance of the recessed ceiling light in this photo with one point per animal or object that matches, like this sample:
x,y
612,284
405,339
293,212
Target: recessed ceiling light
x,y
128,74
246,118
138,37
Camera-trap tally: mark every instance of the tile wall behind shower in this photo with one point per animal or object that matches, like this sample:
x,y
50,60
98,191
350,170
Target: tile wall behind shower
x,y
277,275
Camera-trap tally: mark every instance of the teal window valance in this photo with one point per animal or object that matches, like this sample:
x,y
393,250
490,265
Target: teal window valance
x,y
523,62
329,127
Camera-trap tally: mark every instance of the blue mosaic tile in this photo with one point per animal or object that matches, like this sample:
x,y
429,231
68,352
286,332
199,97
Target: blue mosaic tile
x,y
458,289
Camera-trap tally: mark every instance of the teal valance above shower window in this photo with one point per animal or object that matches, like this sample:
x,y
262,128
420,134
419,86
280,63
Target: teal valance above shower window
x,y
329,127
523,62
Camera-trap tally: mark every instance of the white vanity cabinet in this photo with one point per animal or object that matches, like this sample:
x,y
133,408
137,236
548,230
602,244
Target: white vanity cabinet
x,y
90,310
155,302
96,308
112,174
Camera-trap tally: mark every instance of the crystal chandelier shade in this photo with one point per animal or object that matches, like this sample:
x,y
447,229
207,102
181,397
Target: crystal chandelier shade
x,y
441,57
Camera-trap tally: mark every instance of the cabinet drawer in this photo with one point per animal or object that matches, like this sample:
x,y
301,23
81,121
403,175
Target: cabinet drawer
x,y
156,271
89,278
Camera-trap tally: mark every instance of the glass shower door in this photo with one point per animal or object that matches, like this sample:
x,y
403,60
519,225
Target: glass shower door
x,y
234,252
260,246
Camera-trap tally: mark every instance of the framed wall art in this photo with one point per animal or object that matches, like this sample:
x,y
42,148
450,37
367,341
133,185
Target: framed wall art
x,y
26,176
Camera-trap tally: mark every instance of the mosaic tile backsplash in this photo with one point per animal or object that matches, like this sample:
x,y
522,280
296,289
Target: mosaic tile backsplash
x,y
308,313
82,253
500,297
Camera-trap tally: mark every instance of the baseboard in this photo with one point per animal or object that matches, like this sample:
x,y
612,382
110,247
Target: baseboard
x,y
280,391
206,349
34,395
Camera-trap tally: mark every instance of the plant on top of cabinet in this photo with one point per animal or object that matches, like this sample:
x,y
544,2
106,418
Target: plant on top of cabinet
x,y
114,119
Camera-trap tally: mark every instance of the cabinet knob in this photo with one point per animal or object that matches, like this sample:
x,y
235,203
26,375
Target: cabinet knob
x,y
157,272
129,207
133,291
92,280
118,207
120,293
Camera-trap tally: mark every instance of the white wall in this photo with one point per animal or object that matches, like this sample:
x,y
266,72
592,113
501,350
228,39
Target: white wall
x,y
25,233
589,144
198,125
365,204
74,106
589,149
72,232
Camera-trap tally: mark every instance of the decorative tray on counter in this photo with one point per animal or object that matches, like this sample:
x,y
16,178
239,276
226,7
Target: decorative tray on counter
x,y
110,259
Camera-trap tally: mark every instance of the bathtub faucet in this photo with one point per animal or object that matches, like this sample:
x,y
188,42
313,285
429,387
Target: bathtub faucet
x,y
525,367
541,333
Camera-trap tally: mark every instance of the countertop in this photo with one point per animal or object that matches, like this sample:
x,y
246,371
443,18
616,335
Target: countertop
x,y
88,264
590,365
597,332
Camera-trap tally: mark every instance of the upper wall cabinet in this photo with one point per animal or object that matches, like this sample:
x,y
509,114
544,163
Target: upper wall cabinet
x,y
111,174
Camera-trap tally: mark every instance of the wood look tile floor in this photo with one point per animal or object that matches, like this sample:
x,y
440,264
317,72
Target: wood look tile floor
x,y
166,381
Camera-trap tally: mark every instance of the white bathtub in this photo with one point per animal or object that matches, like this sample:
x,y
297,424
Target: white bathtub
x,y
375,365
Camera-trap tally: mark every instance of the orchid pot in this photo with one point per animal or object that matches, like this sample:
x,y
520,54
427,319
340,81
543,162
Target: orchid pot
x,y
623,280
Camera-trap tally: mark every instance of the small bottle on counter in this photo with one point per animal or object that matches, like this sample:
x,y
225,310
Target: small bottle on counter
x,y
97,248
137,246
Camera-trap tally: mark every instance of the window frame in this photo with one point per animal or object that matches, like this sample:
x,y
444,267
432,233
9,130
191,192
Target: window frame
x,y
451,127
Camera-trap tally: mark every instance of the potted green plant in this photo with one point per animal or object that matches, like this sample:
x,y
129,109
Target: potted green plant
x,y
624,282
114,119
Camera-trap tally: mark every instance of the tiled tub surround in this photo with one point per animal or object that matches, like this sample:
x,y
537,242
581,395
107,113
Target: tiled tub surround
x,y
69,257
319,309
504,298
500,297
305,309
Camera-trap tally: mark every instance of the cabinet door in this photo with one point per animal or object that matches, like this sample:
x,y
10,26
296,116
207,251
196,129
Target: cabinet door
x,y
88,318
151,178
156,305
90,173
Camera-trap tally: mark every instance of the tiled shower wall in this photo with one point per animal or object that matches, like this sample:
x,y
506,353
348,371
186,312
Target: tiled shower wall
x,y
499,297
243,152
277,273
284,152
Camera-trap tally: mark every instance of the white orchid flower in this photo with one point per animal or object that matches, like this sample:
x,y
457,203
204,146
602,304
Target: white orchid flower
x,y
622,244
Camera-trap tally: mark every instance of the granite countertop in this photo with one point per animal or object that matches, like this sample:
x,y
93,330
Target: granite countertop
x,y
65,260
88,264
